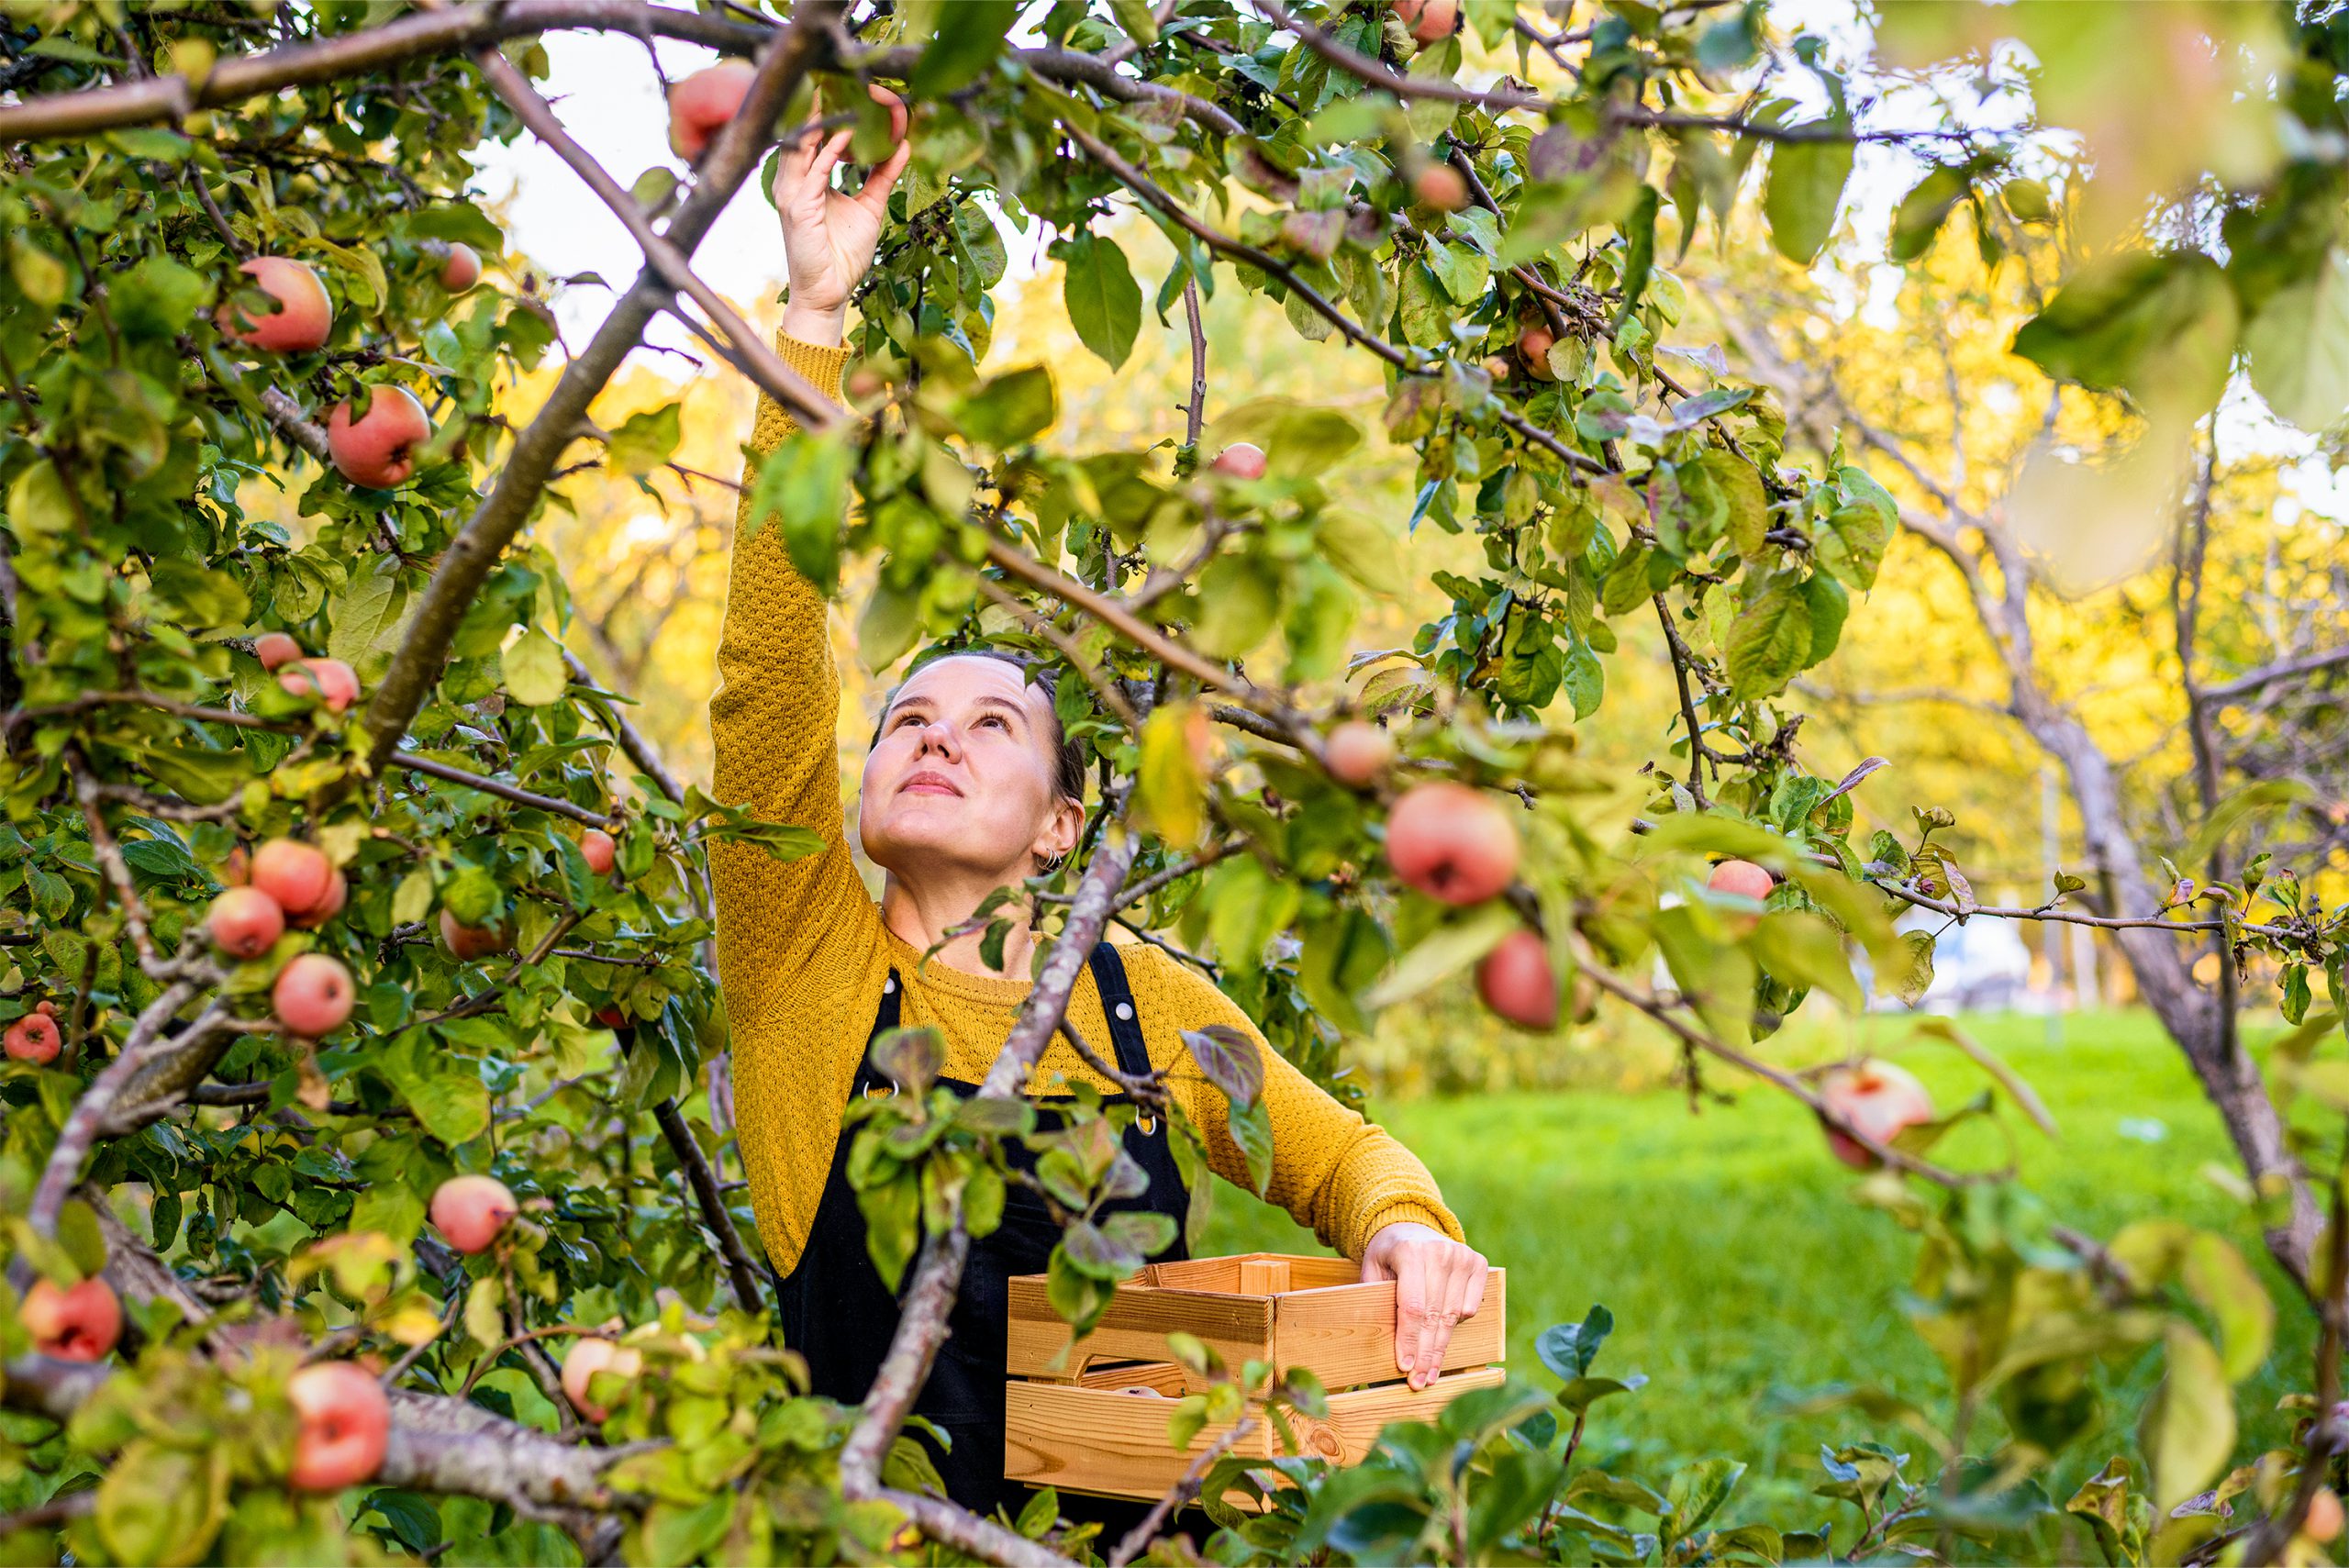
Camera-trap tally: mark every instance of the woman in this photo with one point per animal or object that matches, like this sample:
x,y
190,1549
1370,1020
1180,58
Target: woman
x,y
968,786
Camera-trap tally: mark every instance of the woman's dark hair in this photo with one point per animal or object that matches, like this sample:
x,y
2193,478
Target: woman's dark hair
x,y
1068,757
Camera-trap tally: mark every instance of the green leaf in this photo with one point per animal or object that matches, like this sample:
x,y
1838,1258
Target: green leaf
x,y
533,670
1229,1058
2160,327
804,483
1924,210
1829,606
2298,345
460,223
1104,301
646,440
1252,1130
366,616
2224,1285
971,33
1010,408
162,1505
1771,639
1806,187
1805,950
1445,950
2189,1428
1568,1348
1696,1493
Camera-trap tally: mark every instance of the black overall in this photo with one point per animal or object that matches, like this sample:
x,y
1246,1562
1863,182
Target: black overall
x,y
836,1313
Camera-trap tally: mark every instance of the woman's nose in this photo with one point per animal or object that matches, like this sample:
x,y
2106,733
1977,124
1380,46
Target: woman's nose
x,y
938,736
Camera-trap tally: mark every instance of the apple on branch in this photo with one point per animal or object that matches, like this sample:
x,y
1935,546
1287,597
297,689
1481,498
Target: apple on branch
x,y
245,922
589,1357
1451,842
1429,21
377,450
1876,1099
1240,459
467,943
471,1211
1516,982
313,995
461,268
346,1425
702,104
79,1323
303,319
1358,753
35,1038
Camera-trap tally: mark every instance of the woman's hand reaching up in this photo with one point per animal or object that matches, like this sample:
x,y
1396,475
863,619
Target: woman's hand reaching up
x,y
828,235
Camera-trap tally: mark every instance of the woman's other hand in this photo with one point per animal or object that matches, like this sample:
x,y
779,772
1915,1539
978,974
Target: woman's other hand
x,y
828,235
1437,1282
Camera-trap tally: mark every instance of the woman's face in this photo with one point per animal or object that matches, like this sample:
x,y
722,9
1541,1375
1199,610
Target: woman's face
x,y
961,779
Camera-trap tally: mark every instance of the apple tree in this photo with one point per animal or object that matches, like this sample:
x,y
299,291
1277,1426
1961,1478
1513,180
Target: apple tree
x,y
367,1156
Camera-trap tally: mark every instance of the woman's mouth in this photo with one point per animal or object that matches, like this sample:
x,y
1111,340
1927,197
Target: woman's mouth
x,y
929,783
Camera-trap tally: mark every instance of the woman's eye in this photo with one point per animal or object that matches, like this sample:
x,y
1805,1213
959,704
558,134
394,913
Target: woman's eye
x,y
995,720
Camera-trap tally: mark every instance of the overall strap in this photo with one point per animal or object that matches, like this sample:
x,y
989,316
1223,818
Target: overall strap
x,y
885,1019
1118,1006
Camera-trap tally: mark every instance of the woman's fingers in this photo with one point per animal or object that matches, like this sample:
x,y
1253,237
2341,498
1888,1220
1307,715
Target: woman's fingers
x,y
873,197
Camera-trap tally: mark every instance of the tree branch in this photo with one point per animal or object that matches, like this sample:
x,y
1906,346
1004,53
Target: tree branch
x,y
236,79
471,556
741,1274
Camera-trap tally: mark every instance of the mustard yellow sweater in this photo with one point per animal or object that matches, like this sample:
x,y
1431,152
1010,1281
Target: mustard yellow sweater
x,y
803,952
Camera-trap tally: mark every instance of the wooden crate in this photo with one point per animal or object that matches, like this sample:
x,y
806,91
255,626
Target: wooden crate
x,y
1093,1418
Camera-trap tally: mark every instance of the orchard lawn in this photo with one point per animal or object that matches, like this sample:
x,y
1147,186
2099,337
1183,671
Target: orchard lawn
x,y
1737,1265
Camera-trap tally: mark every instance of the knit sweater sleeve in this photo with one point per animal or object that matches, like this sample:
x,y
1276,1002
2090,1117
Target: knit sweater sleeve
x,y
1342,1177
792,936
772,729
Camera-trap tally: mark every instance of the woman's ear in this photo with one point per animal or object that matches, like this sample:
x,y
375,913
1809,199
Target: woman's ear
x,y
1062,829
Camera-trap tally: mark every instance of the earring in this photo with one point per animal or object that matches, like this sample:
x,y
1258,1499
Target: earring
x,y
1047,864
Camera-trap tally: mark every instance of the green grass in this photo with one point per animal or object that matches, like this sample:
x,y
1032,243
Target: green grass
x,y
1727,1247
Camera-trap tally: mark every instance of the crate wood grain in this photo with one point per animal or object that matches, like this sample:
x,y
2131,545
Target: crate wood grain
x,y
1107,1442
1288,1310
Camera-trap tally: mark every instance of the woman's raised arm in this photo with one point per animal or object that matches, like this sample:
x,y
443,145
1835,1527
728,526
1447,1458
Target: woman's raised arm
x,y
773,718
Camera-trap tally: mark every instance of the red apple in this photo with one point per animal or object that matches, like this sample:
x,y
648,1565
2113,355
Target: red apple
x,y
596,848
304,317
1877,1099
1240,459
77,1325
34,1037
470,942
2323,1522
313,995
614,1018
461,270
378,450
331,680
1742,878
590,1356
346,1425
472,1211
326,909
1500,367
245,922
1451,842
1533,346
275,648
298,876
1440,187
46,1008
1358,753
1429,21
702,104
1516,982
237,867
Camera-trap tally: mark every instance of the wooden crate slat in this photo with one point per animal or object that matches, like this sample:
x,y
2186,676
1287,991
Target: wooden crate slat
x,y
1347,1334
1100,1441
1238,1328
